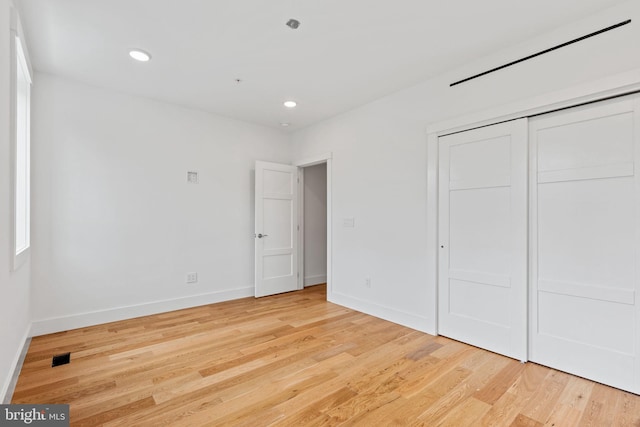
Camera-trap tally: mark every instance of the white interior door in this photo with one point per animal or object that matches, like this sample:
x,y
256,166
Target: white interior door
x,y
483,237
585,231
276,230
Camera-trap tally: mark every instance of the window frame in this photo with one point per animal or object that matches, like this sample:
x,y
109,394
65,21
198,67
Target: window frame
x,y
20,63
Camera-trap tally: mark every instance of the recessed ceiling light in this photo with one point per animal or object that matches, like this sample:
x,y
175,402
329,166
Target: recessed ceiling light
x,y
139,55
290,104
284,125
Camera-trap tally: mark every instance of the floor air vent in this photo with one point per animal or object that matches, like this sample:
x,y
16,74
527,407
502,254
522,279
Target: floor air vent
x,y
61,359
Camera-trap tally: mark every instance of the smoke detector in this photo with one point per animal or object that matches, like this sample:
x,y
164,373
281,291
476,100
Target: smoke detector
x,y
293,24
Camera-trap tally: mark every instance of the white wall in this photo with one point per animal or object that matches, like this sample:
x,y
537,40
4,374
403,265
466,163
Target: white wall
x,y
379,170
116,227
14,286
315,224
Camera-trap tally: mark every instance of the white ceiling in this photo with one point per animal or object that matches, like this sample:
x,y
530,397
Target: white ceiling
x,y
345,53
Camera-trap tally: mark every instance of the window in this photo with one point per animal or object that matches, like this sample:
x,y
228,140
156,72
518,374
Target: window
x,y
21,120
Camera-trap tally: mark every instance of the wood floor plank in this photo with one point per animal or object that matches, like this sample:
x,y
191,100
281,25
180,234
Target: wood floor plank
x,y
564,415
500,383
543,401
506,409
448,401
577,393
297,360
524,421
628,411
466,414
601,407
503,412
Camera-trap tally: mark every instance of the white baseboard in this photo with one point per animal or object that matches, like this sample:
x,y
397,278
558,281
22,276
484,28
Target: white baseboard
x,y
16,366
419,323
315,280
81,320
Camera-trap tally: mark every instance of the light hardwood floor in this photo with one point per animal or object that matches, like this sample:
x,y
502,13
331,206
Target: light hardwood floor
x,y
297,360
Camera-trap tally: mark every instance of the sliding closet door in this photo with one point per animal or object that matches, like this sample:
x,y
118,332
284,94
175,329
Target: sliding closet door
x,y
585,229
482,237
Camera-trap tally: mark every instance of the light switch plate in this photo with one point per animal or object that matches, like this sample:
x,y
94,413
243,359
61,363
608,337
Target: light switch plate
x,y
349,222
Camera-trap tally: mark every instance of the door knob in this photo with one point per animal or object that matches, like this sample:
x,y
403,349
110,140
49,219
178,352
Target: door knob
x,y
260,236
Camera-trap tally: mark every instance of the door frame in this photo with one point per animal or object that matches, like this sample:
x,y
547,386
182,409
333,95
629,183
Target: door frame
x,y
598,90
260,285
301,164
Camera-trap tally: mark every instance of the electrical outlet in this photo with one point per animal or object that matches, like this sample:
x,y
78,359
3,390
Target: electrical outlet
x,y
192,277
367,282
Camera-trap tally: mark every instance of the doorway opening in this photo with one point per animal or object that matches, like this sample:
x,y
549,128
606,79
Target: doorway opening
x,y
314,218
313,225
280,226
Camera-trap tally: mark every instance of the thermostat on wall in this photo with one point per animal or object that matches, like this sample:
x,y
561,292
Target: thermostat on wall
x,y
192,177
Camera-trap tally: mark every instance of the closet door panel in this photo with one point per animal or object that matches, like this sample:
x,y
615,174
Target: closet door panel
x,y
585,232
584,237
482,233
480,230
